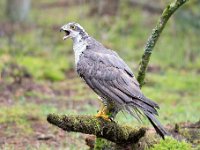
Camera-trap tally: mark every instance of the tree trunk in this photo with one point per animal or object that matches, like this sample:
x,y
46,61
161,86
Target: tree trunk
x,y
17,10
104,7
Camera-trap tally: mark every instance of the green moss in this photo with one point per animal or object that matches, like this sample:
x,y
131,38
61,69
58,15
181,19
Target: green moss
x,y
171,144
42,51
101,144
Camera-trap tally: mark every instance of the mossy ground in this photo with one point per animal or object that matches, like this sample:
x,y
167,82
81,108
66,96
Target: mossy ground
x,y
169,144
172,79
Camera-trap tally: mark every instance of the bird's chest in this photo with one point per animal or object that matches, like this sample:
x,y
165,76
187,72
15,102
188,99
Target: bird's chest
x,y
78,48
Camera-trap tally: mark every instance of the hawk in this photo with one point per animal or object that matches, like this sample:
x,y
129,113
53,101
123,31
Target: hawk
x,y
110,78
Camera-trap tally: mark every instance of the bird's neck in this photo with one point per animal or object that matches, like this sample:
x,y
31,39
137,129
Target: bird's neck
x,y
81,36
79,45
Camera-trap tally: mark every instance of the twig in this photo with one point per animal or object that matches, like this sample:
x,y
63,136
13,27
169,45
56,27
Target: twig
x,y
168,11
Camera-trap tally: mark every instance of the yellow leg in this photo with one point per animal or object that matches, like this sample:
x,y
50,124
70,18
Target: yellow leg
x,y
103,113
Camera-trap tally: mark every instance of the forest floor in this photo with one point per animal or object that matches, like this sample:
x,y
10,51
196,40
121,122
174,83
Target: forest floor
x,y
25,104
24,107
38,76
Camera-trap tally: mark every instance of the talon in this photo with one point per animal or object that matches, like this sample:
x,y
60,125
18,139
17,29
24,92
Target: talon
x,y
102,113
105,117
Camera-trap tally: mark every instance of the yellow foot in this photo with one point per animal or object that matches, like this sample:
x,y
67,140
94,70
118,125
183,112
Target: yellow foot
x,y
102,114
105,117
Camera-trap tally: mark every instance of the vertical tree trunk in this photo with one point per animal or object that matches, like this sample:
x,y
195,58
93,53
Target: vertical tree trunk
x,y
17,10
104,7
108,7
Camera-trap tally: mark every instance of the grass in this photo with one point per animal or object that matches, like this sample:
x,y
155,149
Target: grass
x,y
177,91
18,115
40,49
44,68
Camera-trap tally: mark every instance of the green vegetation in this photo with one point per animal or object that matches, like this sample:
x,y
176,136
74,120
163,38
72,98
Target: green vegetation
x,y
37,45
18,115
45,68
171,144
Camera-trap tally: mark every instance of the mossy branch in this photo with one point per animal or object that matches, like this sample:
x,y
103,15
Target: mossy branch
x,y
110,130
121,137
167,13
97,126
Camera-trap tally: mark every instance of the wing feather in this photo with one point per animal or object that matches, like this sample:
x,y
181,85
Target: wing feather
x,y
131,90
107,75
105,92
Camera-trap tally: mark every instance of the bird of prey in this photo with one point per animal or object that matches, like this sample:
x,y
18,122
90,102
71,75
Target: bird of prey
x,y
110,78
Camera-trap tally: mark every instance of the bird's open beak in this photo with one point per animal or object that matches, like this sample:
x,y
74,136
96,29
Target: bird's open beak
x,y
67,33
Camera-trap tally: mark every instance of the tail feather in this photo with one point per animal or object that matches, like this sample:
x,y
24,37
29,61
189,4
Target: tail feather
x,y
135,112
156,124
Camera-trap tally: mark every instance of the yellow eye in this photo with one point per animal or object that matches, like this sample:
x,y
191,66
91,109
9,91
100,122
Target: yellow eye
x,y
73,27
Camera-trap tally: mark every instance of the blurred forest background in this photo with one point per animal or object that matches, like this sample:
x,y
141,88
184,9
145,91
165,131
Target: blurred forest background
x,y
37,66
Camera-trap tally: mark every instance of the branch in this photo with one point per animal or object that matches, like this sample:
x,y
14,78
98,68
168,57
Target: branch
x,y
168,11
99,127
123,137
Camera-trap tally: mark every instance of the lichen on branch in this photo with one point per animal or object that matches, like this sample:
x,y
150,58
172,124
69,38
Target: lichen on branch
x,y
101,128
167,13
110,130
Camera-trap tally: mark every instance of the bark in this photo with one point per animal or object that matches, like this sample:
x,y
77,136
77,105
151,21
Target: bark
x,y
99,127
167,13
111,135
104,7
17,10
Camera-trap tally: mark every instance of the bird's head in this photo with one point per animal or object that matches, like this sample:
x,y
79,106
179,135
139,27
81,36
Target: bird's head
x,y
73,30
